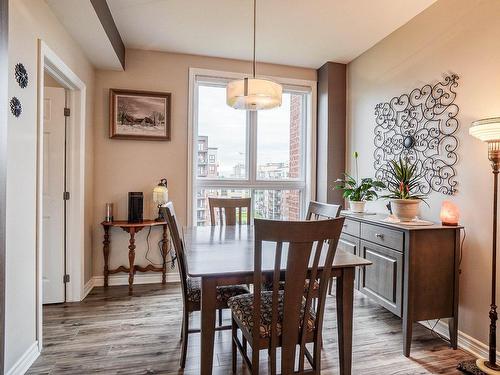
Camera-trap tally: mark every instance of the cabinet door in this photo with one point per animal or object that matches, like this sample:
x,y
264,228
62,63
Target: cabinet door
x,y
383,279
350,244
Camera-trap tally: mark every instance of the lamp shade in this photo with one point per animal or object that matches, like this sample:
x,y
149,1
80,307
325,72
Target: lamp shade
x,y
160,193
253,94
487,130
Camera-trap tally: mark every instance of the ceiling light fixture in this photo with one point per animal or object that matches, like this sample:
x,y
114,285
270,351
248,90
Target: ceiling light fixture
x,y
253,94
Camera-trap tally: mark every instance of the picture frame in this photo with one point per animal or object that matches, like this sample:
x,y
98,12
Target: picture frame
x,y
139,115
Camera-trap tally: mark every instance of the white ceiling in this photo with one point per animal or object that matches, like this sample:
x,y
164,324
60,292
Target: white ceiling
x,y
293,32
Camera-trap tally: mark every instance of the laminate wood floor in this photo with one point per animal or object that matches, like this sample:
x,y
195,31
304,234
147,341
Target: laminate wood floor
x,y
111,332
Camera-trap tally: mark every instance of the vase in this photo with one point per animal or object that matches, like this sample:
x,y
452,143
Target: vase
x,y
405,209
357,206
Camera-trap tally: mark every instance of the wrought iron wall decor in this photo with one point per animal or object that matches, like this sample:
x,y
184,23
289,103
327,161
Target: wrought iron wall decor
x,y
21,75
421,126
15,107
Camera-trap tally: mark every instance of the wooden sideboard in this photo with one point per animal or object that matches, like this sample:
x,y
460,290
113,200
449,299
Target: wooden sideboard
x,y
414,272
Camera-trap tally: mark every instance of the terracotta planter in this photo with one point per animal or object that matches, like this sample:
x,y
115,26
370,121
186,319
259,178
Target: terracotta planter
x,y
405,209
357,206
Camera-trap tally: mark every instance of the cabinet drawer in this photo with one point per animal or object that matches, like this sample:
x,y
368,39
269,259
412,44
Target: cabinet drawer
x,y
383,236
382,280
351,227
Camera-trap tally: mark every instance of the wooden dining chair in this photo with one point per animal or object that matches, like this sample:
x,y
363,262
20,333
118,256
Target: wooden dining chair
x,y
228,209
318,211
191,287
286,318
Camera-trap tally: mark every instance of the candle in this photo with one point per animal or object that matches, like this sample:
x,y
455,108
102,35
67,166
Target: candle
x,y
449,213
109,212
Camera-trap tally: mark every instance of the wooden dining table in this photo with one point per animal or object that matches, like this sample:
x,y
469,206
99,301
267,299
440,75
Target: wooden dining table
x,y
224,255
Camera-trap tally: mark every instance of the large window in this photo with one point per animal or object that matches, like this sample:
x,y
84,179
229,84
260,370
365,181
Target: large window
x,y
264,155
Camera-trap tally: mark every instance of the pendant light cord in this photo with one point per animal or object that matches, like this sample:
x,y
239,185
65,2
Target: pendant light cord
x,y
254,26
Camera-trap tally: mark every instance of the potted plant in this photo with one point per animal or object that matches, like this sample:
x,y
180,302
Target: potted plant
x,y
358,192
402,182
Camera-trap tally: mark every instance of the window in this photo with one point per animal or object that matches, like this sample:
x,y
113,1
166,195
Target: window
x,y
264,155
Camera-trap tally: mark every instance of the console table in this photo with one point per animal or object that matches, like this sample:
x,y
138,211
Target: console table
x,y
414,272
132,229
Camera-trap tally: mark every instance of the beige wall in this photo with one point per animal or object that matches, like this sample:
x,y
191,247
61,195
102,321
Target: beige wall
x,y
30,20
123,165
459,36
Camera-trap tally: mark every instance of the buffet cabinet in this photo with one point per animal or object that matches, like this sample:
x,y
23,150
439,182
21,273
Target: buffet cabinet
x,y
414,271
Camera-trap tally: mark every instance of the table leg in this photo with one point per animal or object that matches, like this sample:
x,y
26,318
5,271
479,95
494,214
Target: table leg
x,y
208,295
164,251
131,258
105,250
345,297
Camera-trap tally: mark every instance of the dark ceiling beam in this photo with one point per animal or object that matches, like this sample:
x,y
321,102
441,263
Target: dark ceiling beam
x,y
108,23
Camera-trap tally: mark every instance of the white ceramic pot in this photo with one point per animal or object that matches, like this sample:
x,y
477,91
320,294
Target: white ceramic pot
x,y
405,209
357,206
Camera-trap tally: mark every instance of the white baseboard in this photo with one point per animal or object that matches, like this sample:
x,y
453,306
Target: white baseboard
x,y
469,344
27,359
89,285
147,278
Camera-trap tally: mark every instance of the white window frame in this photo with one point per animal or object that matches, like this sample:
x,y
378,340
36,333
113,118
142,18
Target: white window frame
x,y
307,184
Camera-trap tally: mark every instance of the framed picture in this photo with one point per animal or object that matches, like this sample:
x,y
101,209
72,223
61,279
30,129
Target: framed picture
x,y
139,115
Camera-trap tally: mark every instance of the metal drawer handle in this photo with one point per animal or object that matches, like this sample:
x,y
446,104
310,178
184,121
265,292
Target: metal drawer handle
x,y
345,225
379,235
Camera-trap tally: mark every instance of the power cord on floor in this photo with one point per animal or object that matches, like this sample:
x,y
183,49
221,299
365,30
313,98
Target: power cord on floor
x,y
160,248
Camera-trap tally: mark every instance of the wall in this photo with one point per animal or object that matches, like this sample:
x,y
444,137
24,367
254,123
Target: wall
x,y
30,20
459,36
123,165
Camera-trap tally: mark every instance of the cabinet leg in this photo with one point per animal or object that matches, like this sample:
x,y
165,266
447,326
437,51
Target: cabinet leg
x,y
105,251
407,334
453,329
131,259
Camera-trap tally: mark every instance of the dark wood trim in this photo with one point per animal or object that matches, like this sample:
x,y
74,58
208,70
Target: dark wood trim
x,y
331,131
4,77
108,23
112,116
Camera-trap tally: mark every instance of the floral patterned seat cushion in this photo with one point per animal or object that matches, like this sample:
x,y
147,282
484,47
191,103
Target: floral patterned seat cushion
x,y
268,285
242,308
223,292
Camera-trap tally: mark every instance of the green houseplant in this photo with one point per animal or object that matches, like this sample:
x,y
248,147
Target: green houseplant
x,y
403,180
358,192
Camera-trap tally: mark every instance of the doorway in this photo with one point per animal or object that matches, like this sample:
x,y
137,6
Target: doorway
x,y
54,205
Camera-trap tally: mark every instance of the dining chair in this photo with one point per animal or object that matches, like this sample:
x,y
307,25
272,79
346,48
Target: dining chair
x,y
286,318
227,208
318,211
191,287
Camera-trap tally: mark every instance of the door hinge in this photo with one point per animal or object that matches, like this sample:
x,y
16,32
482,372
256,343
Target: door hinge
x,y
66,196
67,112
66,278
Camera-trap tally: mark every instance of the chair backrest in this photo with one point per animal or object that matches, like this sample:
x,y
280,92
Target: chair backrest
x,y
319,210
229,206
311,245
169,214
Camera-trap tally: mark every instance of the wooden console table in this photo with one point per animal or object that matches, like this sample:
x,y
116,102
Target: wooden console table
x,y
132,229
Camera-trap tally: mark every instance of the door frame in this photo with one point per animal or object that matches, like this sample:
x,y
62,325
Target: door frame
x,y
76,98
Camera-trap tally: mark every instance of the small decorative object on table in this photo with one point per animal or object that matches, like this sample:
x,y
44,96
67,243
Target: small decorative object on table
x,y
402,182
109,212
358,192
160,197
135,207
449,213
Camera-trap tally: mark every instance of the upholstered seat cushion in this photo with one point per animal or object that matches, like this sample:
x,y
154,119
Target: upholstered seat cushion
x,y
268,285
242,308
223,292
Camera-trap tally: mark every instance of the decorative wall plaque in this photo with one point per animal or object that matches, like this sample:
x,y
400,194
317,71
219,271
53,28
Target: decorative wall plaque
x,y
21,75
15,107
421,126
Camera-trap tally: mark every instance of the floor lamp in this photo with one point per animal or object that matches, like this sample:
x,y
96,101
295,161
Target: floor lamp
x,y
488,130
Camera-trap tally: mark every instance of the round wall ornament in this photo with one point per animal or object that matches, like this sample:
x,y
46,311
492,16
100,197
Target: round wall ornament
x,y
15,106
21,75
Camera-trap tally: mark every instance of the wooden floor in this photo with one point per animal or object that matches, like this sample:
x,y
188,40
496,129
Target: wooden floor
x,y
113,333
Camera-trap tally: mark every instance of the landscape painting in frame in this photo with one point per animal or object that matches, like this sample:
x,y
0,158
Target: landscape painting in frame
x,y
139,115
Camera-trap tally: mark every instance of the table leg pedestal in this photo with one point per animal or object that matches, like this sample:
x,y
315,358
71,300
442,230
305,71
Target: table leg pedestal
x,y
208,299
164,251
105,250
345,297
131,259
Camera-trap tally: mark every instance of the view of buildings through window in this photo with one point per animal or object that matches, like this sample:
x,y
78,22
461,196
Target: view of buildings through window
x,y
272,175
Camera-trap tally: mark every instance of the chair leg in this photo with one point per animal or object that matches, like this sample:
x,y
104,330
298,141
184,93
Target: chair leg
x,y
185,330
255,361
220,317
234,337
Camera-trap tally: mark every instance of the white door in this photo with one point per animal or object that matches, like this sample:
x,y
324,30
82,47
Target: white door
x,y
53,188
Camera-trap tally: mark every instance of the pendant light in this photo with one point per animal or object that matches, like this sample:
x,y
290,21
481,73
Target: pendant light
x,y
253,94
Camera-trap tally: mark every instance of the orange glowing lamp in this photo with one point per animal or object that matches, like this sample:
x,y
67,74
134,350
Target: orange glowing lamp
x,y
450,213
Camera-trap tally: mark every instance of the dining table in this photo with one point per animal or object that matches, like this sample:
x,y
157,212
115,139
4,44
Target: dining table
x,y
224,255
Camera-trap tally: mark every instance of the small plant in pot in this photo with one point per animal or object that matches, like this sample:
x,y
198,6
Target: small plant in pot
x,y
358,192
402,183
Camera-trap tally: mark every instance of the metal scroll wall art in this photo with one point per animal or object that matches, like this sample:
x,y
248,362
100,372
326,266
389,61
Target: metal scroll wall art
x,y
421,126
